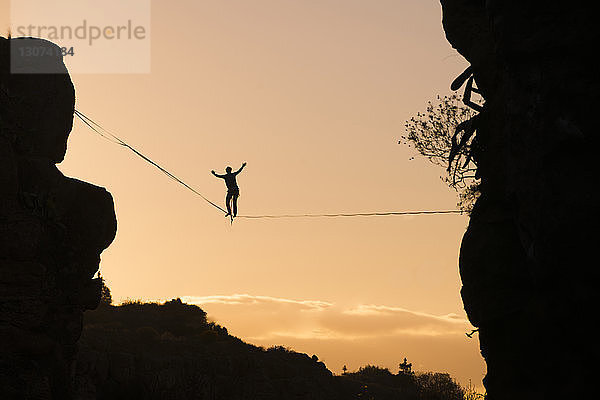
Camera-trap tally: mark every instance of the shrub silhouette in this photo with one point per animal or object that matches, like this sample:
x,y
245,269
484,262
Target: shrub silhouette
x,y
431,132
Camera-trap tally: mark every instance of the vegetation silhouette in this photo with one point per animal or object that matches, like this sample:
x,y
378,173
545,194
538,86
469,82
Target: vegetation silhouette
x,y
233,190
373,382
105,294
171,350
405,367
434,134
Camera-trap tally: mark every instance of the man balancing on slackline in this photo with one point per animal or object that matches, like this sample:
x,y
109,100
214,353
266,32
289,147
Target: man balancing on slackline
x,y
233,191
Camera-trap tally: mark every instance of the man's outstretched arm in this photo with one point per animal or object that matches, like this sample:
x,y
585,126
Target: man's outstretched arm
x,y
217,175
241,168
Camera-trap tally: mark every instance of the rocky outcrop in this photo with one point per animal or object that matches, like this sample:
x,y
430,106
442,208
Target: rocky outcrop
x,y
52,228
528,257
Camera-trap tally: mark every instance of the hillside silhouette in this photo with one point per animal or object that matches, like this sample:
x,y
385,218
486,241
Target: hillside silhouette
x,y
172,351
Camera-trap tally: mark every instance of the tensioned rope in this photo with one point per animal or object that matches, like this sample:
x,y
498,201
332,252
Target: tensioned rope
x,y
115,139
367,214
97,128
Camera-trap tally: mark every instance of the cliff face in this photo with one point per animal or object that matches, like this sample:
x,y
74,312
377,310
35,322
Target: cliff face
x,y
528,259
52,228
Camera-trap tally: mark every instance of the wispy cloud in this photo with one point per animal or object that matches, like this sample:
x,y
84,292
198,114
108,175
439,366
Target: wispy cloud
x,y
240,299
265,317
377,310
352,334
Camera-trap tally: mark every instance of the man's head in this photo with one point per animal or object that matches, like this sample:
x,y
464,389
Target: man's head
x,y
228,170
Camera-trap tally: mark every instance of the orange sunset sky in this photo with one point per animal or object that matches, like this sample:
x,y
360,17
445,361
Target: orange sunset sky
x,y
313,95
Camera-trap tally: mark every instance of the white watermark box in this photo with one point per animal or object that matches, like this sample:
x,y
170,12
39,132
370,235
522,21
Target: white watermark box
x,y
92,36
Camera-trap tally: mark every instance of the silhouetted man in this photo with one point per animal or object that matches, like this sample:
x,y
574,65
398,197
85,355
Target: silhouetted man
x,y
233,191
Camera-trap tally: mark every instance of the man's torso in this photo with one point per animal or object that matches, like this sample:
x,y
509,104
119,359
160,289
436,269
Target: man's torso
x,y
231,183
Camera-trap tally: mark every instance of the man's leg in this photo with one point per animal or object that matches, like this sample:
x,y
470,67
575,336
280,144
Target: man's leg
x,y
227,203
235,197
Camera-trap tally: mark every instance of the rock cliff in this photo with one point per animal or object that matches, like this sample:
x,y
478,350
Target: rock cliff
x,y
528,258
52,228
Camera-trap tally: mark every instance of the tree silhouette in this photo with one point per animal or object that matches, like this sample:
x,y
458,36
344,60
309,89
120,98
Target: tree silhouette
x,y
405,367
439,386
431,133
105,296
